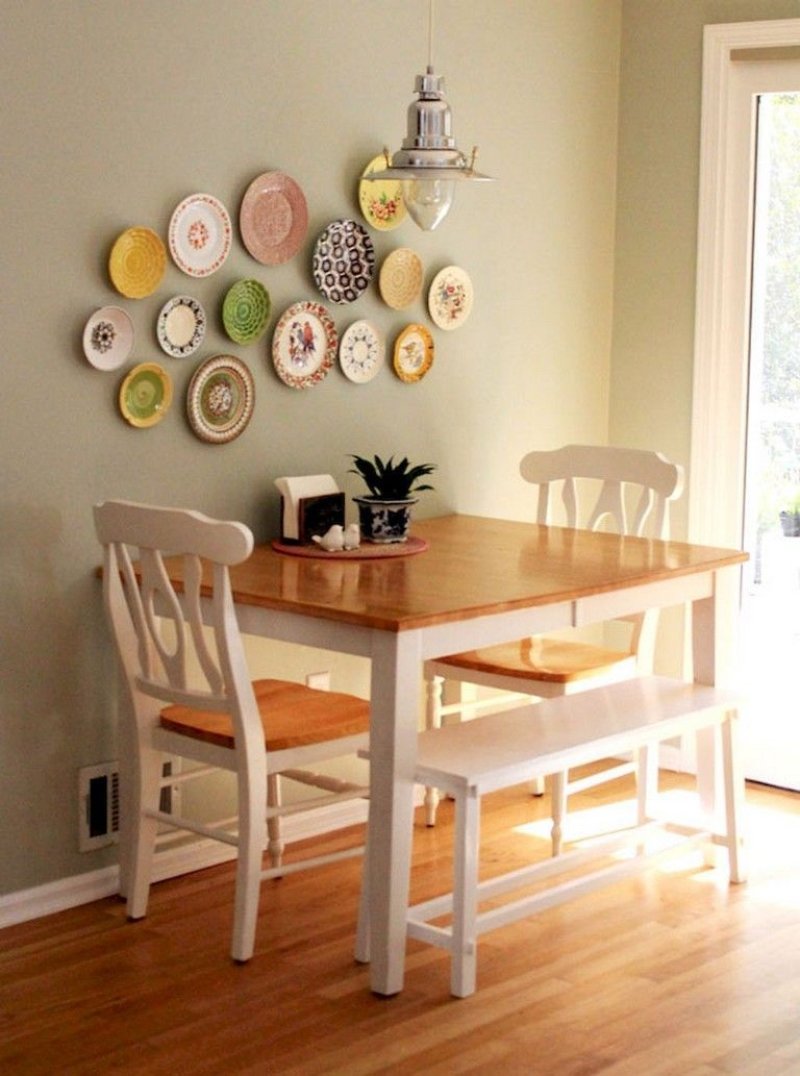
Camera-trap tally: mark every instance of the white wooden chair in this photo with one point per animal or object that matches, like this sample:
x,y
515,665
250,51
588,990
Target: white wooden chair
x,y
260,730
503,749
627,490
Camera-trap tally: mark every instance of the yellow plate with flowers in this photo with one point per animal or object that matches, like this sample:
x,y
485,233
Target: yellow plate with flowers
x,y
381,200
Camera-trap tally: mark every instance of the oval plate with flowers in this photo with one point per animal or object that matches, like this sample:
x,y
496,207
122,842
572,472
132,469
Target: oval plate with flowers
x,y
450,298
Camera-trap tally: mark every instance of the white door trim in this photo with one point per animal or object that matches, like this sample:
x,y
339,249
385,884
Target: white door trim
x,y
723,282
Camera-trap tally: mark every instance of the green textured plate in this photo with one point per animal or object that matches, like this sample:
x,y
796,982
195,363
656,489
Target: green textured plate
x,y
245,311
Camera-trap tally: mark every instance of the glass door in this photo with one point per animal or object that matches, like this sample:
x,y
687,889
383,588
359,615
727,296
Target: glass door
x,y
771,590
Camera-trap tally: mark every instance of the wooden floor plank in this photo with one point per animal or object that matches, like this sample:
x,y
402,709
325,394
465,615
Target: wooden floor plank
x,y
671,972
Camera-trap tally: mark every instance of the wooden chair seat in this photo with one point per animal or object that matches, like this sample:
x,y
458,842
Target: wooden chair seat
x,y
292,715
497,751
558,661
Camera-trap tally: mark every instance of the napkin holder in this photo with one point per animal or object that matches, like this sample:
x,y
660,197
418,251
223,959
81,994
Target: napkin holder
x,y
310,504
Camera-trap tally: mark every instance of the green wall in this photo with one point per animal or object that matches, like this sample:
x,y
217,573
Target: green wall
x,y
112,113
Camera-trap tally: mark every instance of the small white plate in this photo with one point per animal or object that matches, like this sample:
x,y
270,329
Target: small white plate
x,y
361,352
181,326
450,298
108,338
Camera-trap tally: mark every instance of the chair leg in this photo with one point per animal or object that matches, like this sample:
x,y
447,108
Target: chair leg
x,y
537,786
465,895
433,720
252,838
558,808
145,795
275,845
734,789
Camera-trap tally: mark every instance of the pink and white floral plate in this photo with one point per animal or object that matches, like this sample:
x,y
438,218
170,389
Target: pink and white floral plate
x,y
450,298
200,235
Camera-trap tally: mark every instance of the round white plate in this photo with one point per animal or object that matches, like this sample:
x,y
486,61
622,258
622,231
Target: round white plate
x,y
181,326
108,338
200,235
361,352
304,345
450,298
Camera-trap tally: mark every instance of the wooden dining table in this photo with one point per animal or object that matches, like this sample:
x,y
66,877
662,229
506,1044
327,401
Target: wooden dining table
x,y
472,583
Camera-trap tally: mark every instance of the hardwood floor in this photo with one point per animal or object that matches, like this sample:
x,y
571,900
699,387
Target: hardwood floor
x,y
673,972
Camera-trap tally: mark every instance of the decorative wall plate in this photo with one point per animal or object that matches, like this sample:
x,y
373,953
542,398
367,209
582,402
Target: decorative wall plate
x,y
245,311
145,394
220,399
450,298
200,235
181,326
381,200
304,345
344,261
400,279
108,338
361,352
413,353
137,262
273,218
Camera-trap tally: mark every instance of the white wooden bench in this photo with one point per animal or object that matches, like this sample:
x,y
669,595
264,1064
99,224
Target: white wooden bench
x,y
500,750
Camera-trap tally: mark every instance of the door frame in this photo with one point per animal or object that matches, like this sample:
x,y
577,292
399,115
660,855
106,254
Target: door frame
x,y
724,245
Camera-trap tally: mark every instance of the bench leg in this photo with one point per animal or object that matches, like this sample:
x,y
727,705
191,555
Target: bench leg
x,y
465,895
558,809
361,953
734,796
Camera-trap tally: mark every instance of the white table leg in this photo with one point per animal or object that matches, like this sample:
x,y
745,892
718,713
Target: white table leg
x,y
713,632
395,706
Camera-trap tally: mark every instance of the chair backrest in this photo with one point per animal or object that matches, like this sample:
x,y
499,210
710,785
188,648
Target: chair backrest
x,y
623,474
651,479
163,648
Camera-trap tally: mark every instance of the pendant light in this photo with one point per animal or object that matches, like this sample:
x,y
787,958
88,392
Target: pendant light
x,y
429,164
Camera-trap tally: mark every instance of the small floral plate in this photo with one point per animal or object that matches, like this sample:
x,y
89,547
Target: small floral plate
x,y
381,200
220,399
108,338
450,298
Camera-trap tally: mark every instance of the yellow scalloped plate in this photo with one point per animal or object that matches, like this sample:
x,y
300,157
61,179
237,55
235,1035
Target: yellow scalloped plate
x,y
145,395
137,262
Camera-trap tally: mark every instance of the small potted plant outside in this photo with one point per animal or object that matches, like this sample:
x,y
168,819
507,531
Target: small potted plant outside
x,y
790,518
384,514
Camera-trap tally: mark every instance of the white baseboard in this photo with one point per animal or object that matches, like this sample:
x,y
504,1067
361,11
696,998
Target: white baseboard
x,y
169,863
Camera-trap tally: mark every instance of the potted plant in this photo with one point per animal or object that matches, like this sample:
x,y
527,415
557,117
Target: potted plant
x,y
790,518
384,514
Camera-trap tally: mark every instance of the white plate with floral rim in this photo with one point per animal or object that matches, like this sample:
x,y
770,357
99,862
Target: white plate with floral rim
x,y
200,235
361,352
450,297
108,338
220,399
304,345
181,326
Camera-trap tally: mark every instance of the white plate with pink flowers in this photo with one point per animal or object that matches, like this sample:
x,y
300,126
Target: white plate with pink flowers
x,y
450,298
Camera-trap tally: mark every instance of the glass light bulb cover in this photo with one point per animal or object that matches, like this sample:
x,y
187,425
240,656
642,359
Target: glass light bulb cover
x,y
428,201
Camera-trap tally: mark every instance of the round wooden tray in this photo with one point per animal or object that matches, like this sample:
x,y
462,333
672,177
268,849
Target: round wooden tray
x,y
366,551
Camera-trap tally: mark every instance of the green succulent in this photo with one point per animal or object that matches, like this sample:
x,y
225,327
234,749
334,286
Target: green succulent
x,y
391,481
